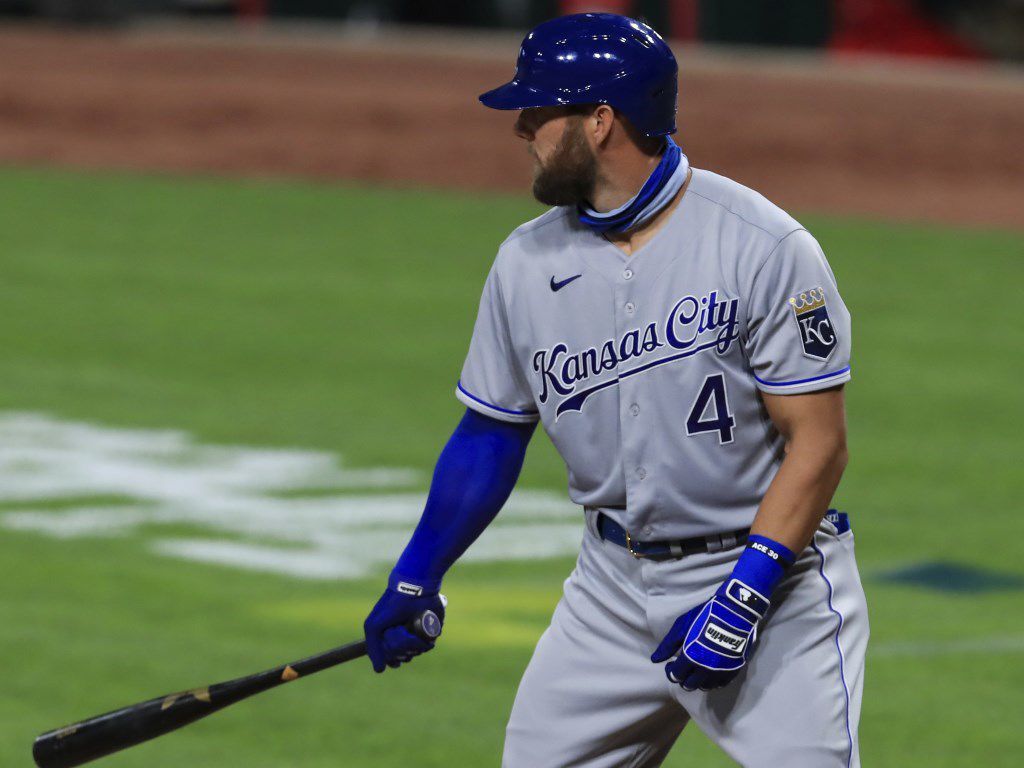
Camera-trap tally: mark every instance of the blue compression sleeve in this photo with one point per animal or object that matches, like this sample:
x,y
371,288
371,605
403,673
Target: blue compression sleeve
x,y
472,481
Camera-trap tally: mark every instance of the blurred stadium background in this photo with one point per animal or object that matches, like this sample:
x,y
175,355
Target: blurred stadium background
x,y
241,245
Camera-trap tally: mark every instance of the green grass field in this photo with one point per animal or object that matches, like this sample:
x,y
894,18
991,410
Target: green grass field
x,y
336,318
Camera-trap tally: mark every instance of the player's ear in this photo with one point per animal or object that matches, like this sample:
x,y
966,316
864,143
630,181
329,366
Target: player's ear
x,y
601,121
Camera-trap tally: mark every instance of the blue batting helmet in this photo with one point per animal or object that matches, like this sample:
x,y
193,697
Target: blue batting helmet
x,y
595,58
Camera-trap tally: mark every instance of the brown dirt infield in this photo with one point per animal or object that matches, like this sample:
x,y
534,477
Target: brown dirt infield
x,y
891,140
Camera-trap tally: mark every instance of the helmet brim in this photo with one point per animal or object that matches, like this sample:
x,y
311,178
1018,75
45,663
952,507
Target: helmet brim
x,y
516,95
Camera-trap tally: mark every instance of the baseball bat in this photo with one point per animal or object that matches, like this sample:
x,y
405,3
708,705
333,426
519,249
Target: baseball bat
x,y
105,734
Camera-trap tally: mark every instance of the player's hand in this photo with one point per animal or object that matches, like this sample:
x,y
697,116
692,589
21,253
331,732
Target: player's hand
x,y
708,645
389,643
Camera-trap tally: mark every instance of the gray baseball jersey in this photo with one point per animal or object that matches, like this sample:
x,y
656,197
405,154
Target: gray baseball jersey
x,y
645,370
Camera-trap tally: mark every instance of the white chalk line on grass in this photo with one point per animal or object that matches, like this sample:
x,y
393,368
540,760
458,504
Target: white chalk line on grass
x,y
235,495
977,645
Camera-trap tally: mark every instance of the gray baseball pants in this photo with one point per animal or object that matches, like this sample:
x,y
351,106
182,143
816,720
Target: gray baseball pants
x,y
591,696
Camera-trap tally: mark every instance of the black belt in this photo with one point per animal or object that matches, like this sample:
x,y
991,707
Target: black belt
x,y
668,549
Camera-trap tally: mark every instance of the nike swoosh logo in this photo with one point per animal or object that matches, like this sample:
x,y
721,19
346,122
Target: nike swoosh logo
x,y
562,283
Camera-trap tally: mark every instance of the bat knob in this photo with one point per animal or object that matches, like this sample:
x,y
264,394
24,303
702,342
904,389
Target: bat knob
x,y
427,626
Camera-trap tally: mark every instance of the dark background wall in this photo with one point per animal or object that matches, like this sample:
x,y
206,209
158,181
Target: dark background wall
x,y
938,28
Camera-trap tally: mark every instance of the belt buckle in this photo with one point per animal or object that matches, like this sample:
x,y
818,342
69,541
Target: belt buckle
x,y
629,547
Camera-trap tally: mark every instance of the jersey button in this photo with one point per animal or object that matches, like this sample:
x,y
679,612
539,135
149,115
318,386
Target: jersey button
x,y
628,274
630,307
641,472
634,409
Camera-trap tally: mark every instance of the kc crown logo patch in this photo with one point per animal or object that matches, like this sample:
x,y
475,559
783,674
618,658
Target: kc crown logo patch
x,y
817,335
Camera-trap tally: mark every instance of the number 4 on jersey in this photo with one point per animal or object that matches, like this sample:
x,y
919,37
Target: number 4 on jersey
x,y
711,398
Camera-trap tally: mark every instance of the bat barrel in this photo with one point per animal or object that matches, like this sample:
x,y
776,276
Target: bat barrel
x,y
103,735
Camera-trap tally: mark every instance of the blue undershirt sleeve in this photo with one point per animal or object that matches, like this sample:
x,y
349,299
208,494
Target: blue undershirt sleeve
x,y
472,481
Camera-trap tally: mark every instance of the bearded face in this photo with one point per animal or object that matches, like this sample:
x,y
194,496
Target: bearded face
x,y
567,175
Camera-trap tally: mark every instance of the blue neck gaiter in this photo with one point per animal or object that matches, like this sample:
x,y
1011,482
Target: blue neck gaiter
x,y
659,189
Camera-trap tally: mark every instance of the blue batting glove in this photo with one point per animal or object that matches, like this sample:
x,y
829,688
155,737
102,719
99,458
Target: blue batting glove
x,y
388,641
708,645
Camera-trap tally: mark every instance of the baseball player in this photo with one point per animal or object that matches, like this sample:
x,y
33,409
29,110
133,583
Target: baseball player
x,y
684,345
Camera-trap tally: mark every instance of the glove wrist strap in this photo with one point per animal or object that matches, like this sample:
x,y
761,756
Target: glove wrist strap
x,y
757,573
412,586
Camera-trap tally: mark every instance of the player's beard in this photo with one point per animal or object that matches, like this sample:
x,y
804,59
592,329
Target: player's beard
x,y
568,175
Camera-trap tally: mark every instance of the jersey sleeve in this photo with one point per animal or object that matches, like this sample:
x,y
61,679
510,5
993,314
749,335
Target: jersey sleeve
x,y
798,328
492,382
